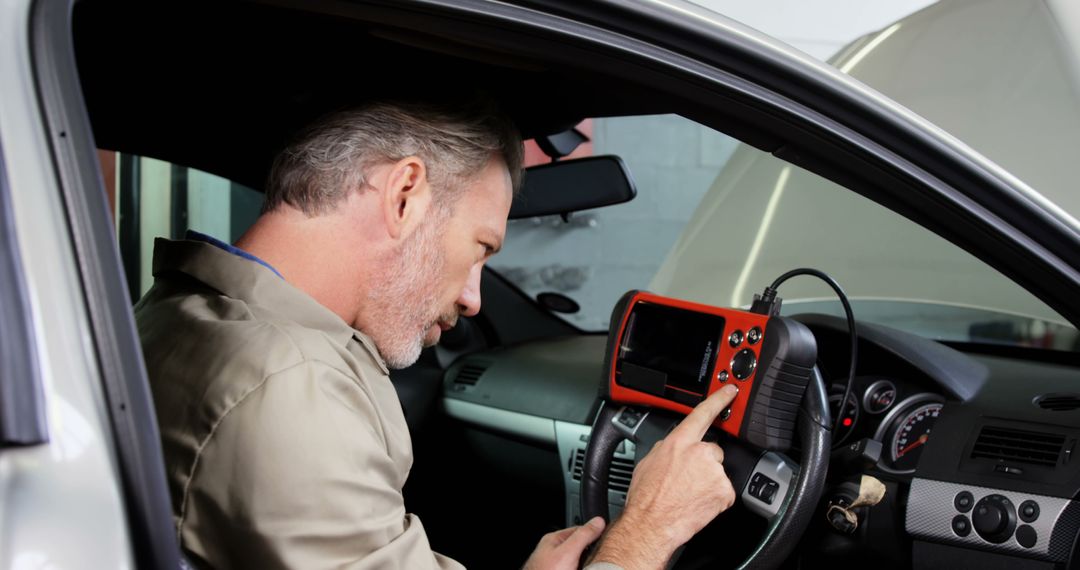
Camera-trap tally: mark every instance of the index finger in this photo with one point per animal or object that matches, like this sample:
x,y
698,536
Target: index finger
x,y
694,426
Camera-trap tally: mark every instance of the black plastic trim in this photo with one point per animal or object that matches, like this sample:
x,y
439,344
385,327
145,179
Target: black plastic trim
x,y
22,402
507,327
126,388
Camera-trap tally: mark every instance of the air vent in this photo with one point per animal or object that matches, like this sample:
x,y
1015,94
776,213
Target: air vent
x,y
1011,445
618,478
470,373
1058,402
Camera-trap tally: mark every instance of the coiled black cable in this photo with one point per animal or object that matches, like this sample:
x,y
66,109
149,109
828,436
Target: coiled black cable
x,y
770,295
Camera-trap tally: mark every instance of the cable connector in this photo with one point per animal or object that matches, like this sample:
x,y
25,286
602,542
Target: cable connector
x,y
767,303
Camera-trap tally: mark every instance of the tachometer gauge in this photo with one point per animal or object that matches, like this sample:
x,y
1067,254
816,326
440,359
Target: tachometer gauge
x,y
906,430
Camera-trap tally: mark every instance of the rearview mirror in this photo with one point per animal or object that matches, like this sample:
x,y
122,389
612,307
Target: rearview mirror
x,y
573,185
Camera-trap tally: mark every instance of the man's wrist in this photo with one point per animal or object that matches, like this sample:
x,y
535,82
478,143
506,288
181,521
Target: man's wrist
x,y
634,545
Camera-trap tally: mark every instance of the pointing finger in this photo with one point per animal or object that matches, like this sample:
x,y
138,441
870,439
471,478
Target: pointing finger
x,y
695,425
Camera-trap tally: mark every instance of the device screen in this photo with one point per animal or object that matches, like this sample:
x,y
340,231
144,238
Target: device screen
x,y
680,343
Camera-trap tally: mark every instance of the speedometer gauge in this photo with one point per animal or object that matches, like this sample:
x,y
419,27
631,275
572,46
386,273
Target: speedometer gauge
x,y
913,431
905,431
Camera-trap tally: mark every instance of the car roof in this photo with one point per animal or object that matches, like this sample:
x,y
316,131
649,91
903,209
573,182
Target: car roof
x,y
222,86
227,97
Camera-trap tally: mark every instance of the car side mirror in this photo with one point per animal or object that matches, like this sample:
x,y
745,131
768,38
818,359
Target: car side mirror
x,y
573,185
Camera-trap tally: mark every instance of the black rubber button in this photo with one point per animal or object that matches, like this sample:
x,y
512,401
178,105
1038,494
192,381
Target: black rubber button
x,y
753,335
963,501
961,526
1029,511
735,338
1026,536
742,366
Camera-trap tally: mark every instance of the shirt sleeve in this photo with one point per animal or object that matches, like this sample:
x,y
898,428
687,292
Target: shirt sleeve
x,y
297,474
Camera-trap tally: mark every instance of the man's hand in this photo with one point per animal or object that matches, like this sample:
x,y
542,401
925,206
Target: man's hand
x,y
677,489
561,550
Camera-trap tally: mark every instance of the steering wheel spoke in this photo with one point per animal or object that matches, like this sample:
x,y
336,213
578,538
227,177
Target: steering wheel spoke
x,y
768,485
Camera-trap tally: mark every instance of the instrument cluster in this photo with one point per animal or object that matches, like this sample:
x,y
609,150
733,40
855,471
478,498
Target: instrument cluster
x,y
898,414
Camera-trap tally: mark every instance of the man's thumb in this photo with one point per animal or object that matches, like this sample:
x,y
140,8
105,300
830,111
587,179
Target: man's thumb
x,y
586,534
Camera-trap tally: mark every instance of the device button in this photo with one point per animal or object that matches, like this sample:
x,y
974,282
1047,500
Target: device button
x,y
742,366
723,376
1029,511
961,526
1026,536
753,335
963,501
724,415
735,338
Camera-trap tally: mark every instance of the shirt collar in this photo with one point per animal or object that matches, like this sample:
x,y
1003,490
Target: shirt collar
x,y
257,283
192,235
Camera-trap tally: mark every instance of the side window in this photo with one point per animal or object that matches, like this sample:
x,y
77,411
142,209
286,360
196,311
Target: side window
x,y
152,198
596,256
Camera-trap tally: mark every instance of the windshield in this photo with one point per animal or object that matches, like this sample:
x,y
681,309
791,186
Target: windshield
x,y
715,221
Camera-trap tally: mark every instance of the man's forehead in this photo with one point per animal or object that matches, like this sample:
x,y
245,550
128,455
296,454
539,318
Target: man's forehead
x,y
492,193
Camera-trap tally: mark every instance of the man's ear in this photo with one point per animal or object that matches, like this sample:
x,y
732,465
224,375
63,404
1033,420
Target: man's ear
x,y
406,201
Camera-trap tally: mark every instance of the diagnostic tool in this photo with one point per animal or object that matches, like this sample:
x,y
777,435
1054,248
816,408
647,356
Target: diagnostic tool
x,y
671,354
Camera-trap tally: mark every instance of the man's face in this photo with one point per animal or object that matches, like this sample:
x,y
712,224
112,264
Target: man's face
x,y
435,277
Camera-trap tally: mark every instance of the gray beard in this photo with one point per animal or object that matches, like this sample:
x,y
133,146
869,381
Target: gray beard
x,y
403,302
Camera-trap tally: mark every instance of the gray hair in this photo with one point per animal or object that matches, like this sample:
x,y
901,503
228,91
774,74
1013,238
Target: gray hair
x,y
334,155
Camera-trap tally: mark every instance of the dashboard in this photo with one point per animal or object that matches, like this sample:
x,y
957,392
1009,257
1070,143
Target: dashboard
x,y
976,449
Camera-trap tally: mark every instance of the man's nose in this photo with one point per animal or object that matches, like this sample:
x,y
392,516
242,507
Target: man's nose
x,y
469,301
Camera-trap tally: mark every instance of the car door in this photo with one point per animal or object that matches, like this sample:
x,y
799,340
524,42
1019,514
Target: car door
x,y
88,489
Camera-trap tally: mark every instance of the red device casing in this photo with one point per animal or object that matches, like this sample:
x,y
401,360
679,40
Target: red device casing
x,y
770,359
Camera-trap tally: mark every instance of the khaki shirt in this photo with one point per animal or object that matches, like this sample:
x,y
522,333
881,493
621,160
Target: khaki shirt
x,y
285,443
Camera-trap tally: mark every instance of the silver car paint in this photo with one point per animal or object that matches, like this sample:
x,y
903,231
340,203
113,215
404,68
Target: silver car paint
x,y
60,502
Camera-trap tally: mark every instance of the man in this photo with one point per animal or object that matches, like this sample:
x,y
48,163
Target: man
x,y
284,441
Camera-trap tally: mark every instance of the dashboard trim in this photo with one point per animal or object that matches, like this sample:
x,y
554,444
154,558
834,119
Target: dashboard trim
x,y
930,512
514,423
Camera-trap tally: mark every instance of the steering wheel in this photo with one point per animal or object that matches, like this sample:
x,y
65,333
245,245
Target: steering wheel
x,y
796,488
